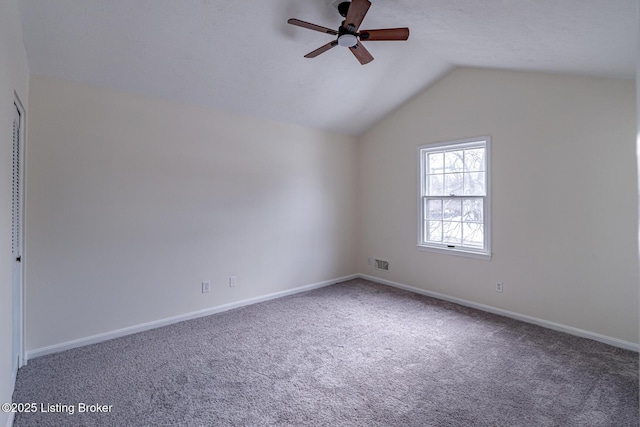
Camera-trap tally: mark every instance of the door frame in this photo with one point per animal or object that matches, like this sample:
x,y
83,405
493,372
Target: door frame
x,y
17,267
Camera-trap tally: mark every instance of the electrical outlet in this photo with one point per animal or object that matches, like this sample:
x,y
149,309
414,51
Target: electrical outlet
x,y
369,261
206,287
499,287
232,281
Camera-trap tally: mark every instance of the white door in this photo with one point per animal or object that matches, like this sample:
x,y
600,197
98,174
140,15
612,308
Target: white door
x,y
16,235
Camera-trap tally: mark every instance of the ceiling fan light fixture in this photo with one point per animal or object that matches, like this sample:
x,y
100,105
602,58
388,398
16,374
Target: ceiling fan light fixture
x,y
348,40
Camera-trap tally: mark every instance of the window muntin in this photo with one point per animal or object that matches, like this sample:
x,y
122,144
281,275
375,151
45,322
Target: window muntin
x,y
454,197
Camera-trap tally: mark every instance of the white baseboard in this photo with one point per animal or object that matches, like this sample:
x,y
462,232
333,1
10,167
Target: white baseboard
x,y
80,342
627,345
56,348
12,415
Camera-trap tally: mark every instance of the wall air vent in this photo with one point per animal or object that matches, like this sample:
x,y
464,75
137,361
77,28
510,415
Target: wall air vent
x,y
381,264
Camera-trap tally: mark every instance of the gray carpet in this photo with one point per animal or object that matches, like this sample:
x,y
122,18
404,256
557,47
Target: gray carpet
x,y
352,354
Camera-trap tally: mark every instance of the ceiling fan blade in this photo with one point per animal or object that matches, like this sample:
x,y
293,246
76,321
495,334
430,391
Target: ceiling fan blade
x,y
311,26
321,49
357,10
385,34
361,53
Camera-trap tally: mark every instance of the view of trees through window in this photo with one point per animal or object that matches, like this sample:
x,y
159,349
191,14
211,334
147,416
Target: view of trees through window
x,y
454,191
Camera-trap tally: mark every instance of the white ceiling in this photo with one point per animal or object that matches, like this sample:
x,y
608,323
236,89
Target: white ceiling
x,y
243,57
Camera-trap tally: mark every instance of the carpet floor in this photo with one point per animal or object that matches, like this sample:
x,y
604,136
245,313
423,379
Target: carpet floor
x,y
352,354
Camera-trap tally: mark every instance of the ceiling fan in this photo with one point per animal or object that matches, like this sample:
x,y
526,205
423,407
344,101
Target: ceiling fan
x,y
348,34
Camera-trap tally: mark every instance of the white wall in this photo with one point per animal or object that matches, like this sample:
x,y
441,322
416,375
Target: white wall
x,y
132,202
638,116
564,201
14,78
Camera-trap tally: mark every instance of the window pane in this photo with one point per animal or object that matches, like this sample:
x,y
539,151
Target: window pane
x,y
473,235
452,232
453,209
434,209
436,185
474,184
454,184
472,210
453,161
474,160
433,231
436,163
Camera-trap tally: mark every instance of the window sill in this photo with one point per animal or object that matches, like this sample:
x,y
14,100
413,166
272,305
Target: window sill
x,y
456,252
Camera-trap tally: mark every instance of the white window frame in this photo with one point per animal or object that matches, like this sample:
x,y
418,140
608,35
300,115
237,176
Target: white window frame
x,y
465,251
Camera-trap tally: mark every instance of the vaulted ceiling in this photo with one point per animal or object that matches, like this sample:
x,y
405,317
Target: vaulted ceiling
x,y
243,57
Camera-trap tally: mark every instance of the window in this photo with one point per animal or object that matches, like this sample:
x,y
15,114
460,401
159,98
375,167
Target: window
x,y
454,208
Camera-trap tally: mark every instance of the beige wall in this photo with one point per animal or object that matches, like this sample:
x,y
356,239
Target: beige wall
x,y
564,197
133,202
14,78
